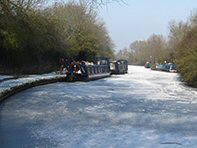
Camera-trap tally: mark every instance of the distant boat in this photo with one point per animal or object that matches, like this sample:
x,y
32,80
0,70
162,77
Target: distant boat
x,y
147,65
119,67
168,67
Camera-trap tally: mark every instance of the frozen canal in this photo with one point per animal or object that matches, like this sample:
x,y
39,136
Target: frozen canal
x,y
141,109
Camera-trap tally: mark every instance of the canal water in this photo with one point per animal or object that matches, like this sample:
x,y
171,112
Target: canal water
x,y
143,108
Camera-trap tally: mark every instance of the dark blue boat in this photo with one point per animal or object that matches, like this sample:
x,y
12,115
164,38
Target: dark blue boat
x,y
168,67
86,72
119,67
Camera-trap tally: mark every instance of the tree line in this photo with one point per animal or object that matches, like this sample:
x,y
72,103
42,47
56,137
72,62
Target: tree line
x,y
35,34
179,47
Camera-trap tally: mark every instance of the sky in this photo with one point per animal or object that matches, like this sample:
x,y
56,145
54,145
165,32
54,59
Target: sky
x,y
138,19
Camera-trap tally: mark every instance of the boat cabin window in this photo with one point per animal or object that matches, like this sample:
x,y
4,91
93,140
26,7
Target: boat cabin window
x,y
103,62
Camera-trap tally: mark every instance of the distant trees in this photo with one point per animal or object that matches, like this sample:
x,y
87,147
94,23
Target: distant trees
x,y
180,47
33,38
153,49
91,2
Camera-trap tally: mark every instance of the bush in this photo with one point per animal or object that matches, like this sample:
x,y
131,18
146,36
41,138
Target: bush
x,y
186,57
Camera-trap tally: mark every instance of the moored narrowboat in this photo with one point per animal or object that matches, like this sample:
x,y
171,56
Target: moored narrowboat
x,y
168,67
148,65
119,67
89,71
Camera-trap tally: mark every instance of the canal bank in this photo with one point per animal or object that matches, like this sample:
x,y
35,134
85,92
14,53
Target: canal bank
x,y
12,86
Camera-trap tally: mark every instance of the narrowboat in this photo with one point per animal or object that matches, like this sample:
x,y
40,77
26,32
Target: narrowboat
x,y
147,65
119,67
91,71
168,67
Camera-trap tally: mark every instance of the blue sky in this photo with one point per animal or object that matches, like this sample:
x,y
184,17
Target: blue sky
x,y
140,18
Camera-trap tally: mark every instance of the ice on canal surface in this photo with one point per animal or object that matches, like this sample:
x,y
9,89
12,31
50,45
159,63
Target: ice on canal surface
x,y
141,109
